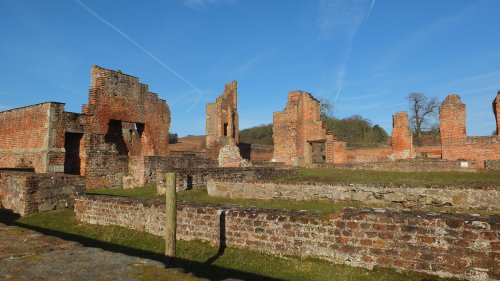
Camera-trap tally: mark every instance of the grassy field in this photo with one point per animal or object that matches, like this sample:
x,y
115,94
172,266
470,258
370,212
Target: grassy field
x,y
397,178
200,258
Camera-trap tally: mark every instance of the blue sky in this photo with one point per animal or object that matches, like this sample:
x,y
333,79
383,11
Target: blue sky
x,y
366,56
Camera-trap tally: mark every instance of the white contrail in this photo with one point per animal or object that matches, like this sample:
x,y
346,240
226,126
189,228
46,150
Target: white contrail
x,y
370,10
88,9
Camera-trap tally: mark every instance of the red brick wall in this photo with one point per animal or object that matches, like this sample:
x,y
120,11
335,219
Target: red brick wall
x,y
454,141
461,246
223,111
142,121
402,140
33,137
369,154
298,125
496,111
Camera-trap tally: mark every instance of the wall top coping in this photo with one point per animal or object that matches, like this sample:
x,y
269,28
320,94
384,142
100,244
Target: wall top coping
x,y
362,185
310,216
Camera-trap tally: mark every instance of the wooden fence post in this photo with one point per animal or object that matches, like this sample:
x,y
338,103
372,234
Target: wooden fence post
x,y
170,221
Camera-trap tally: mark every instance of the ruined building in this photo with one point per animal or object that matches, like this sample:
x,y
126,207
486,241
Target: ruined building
x,y
455,143
402,139
122,119
300,137
222,121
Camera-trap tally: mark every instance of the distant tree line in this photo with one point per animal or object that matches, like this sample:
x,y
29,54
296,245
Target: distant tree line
x,y
262,134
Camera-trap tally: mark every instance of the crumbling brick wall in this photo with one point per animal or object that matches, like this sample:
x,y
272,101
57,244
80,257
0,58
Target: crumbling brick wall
x,y
32,137
496,111
447,245
298,130
26,193
222,123
122,119
455,143
402,139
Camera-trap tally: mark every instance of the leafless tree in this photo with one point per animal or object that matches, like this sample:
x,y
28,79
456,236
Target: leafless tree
x,y
423,114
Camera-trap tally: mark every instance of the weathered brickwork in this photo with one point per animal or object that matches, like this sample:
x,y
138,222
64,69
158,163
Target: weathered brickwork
x,y
222,120
25,193
484,197
413,165
466,247
496,111
33,137
122,119
402,139
300,136
454,141
198,177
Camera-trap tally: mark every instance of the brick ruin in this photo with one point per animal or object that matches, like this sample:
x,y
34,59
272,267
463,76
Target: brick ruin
x,y
222,125
402,139
455,143
300,136
122,119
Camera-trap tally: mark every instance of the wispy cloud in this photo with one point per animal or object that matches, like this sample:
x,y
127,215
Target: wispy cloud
x,y
200,4
416,39
342,18
252,62
170,69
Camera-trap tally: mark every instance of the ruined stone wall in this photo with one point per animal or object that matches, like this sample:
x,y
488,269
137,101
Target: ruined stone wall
x,y
454,141
297,127
448,245
413,165
26,193
33,137
122,119
402,139
198,177
222,124
484,197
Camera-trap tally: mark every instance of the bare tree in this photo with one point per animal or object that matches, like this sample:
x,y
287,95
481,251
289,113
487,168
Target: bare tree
x,y
326,108
423,113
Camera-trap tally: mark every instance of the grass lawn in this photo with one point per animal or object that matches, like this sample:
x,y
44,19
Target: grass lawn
x,y
398,178
200,258
201,195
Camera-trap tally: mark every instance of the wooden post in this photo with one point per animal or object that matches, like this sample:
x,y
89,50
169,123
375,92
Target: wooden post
x,y
170,221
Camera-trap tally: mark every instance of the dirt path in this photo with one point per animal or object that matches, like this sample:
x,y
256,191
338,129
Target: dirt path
x,y
29,255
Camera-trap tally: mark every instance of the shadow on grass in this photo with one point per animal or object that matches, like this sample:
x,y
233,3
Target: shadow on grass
x,y
202,270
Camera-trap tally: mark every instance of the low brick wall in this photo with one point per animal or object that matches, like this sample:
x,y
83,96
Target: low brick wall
x,y
414,165
26,193
487,197
187,179
466,247
492,165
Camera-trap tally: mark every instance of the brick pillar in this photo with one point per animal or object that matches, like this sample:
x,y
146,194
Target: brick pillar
x,y
496,111
402,140
452,127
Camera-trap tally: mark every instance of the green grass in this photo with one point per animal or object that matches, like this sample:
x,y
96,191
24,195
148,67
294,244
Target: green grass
x,y
397,178
193,255
201,195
